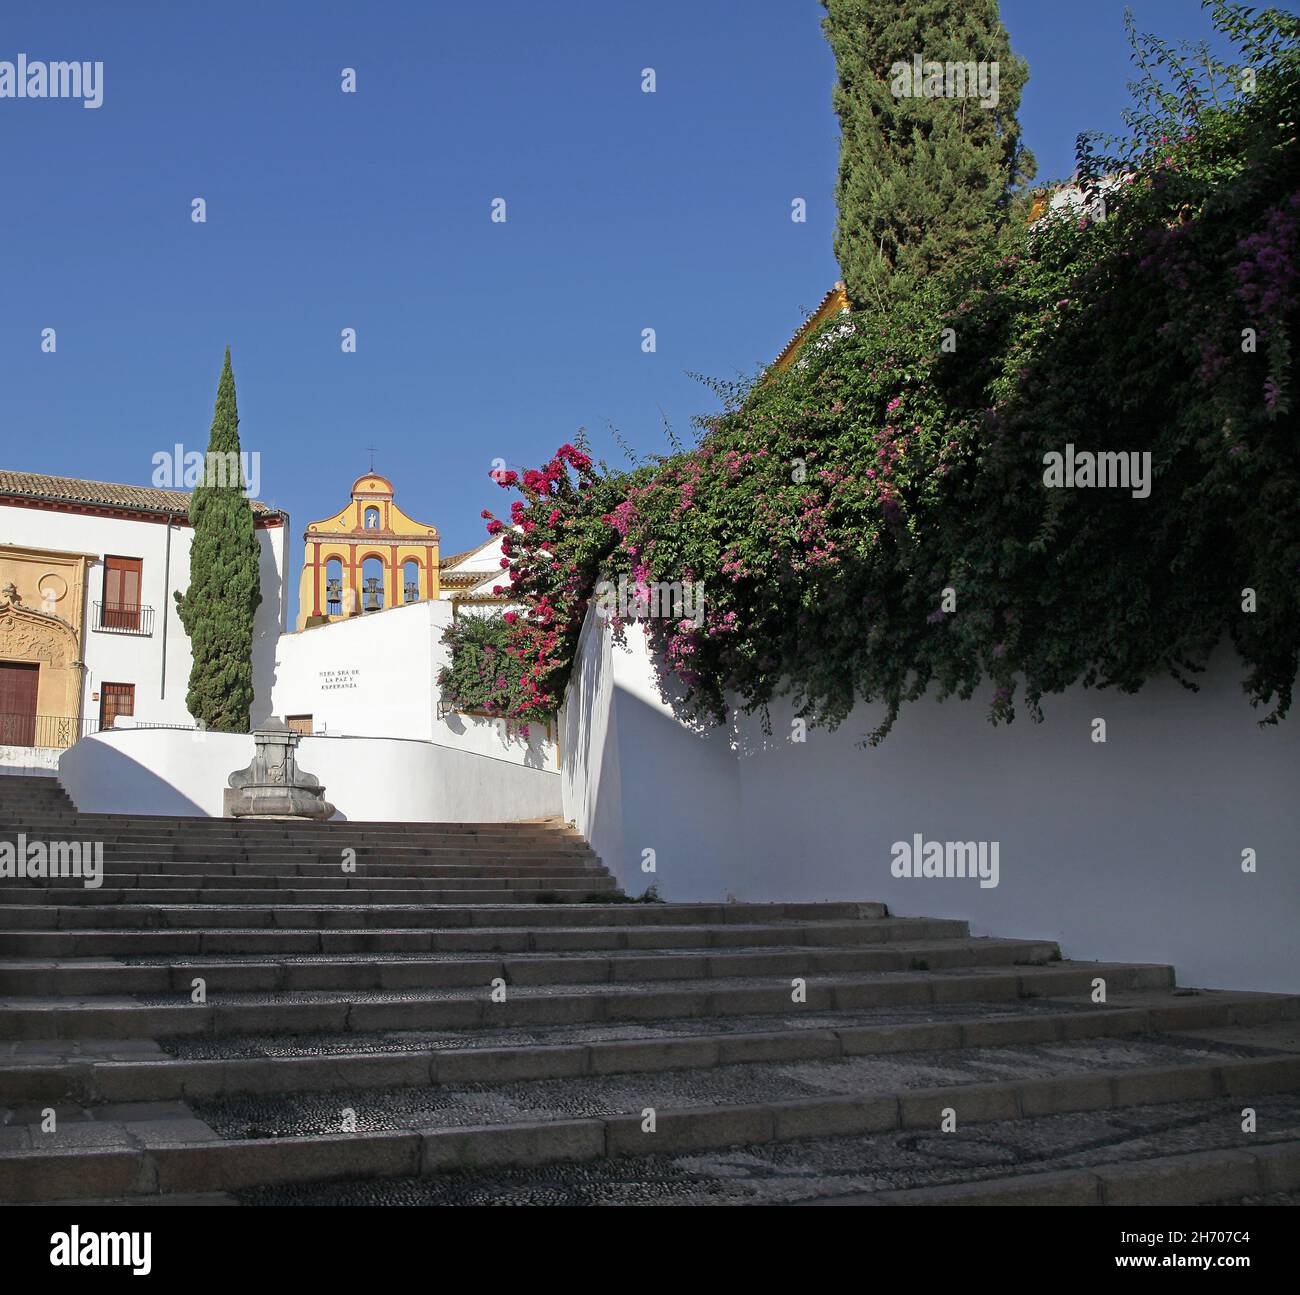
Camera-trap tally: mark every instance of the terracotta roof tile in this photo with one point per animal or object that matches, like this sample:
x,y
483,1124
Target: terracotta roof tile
x,y
105,494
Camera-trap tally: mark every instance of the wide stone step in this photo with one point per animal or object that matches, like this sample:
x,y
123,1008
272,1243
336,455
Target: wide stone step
x,y
361,971
124,860
449,891
241,1143
199,851
373,878
1132,1157
121,1071
257,873
161,1016
981,1083
535,937
172,915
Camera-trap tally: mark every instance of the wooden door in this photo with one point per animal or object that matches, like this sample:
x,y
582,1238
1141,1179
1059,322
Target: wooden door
x,y
18,681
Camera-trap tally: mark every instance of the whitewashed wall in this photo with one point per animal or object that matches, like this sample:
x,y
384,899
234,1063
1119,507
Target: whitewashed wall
x,y
1127,850
370,675
166,771
175,772
376,676
402,781
29,760
140,659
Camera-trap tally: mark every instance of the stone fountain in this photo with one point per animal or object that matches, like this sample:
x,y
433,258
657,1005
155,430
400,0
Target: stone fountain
x,y
273,786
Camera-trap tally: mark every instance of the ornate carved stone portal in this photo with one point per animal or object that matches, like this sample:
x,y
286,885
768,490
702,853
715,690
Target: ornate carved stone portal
x,y
273,786
28,635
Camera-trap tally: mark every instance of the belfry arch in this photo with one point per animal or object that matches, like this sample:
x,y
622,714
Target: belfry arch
x,y
372,529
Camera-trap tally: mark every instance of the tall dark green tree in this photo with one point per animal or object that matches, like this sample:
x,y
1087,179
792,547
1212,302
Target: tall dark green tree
x,y
924,177
218,608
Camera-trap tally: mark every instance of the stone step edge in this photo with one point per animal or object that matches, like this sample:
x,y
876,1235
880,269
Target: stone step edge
x,y
482,915
1063,978
1190,1178
501,963
957,927
727,914
170,1079
564,969
455,1009
235,1164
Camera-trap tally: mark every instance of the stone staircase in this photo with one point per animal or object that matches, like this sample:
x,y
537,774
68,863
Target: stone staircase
x,y
476,1014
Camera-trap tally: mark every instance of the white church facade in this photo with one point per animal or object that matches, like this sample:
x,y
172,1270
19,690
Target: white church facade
x,y
375,600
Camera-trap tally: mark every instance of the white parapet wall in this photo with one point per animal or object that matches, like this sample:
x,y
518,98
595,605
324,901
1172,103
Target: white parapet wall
x,y
1128,849
169,771
388,779
180,772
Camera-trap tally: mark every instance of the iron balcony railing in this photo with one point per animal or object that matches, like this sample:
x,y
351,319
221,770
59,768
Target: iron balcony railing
x,y
45,730
123,618
63,730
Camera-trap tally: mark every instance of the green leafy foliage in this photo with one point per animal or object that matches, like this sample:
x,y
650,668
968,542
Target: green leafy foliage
x,y
225,588
922,178
875,523
486,671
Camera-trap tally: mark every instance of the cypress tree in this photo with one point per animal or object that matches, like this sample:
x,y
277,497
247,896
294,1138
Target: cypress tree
x,y
218,608
922,178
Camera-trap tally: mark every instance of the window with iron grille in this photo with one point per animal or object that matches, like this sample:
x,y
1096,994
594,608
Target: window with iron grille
x,y
115,699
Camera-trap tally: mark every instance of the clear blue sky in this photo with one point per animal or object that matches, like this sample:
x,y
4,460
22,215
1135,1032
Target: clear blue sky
x,y
475,340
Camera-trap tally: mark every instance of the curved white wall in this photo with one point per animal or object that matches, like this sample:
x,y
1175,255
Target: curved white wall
x,y
152,770
1131,849
389,779
182,772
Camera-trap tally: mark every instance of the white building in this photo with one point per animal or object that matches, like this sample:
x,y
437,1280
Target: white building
x,y
89,632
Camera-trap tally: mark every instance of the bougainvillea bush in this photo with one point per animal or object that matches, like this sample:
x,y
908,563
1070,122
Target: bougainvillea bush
x,y
874,523
484,673
554,543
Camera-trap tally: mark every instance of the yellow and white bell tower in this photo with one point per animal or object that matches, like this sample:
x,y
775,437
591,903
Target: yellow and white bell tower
x,y
368,557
